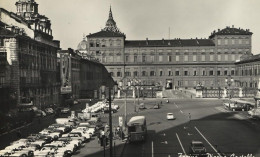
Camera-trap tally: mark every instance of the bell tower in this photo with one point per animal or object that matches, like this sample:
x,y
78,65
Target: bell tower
x,y
26,8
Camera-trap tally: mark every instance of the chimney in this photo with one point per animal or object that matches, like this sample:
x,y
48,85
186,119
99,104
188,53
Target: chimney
x,y
218,30
146,41
163,40
232,26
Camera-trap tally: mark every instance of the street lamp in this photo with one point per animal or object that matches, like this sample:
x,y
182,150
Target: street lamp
x,y
229,80
114,90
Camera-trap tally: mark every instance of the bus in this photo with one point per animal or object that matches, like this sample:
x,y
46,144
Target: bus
x,y
137,130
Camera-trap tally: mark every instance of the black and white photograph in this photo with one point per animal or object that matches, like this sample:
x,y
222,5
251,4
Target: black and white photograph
x,y
129,78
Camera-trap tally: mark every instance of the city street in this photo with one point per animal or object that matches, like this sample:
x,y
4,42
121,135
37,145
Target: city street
x,y
223,132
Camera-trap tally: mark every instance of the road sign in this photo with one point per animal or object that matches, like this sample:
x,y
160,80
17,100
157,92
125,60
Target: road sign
x,y
120,119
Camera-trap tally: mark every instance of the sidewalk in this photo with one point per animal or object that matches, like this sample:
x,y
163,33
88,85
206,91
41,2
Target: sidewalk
x,y
93,149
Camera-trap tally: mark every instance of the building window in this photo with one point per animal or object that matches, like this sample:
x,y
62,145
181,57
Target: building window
x,y
143,59
203,57
233,41
136,73
135,59
127,73
211,58
218,73
226,41
177,73
185,73
143,73
226,57
219,57
118,74
112,74
225,72
169,72
161,73
194,58
204,73
186,58
169,58
239,41
194,73
219,42
152,58
233,57
97,44
160,58
177,58
91,44
152,73
211,73
126,58
232,72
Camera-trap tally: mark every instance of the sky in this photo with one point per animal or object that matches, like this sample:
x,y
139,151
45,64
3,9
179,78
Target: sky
x,y
141,19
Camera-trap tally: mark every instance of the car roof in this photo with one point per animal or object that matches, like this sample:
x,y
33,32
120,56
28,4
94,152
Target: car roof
x,y
169,113
196,142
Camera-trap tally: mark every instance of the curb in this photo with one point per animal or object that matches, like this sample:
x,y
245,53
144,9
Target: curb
x,y
16,129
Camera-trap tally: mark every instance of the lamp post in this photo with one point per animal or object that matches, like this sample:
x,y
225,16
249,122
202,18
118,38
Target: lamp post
x,y
103,88
229,80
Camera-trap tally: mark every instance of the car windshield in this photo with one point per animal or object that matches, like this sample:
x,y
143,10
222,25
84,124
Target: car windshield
x,y
198,145
170,114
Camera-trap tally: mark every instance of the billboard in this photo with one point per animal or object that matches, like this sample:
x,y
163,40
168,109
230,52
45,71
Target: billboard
x,y
65,65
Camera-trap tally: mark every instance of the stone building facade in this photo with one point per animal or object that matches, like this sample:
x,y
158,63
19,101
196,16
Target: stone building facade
x,y
81,77
169,63
30,56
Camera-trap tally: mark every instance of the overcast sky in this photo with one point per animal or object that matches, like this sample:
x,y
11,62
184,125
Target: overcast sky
x,y
141,19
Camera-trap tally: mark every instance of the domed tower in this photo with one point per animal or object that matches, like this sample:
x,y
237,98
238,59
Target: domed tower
x,y
27,8
111,24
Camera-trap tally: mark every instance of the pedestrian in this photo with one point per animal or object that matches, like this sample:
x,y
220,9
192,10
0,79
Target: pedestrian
x,y
161,102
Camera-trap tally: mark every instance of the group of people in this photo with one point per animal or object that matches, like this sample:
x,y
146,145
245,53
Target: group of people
x,y
104,134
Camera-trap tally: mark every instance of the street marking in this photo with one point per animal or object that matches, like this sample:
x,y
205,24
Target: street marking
x,y
180,144
181,111
207,141
152,149
177,106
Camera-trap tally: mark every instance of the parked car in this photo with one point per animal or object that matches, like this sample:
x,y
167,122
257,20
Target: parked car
x,y
170,116
241,106
106,110
197,148
156,106
254,113
39,113
49,110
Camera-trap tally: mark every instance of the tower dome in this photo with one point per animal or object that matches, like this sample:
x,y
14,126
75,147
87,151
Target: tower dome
x,y
82,45
111,24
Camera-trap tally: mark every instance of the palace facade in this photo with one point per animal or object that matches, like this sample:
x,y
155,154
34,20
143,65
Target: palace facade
x,y
28,57
169,63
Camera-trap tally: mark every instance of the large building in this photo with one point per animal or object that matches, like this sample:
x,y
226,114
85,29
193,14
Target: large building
x,y
81,77
28,57
169,63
